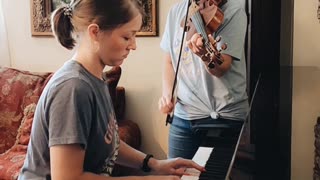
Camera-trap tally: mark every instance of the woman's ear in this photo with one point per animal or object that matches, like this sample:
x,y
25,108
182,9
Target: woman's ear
x,y
93,30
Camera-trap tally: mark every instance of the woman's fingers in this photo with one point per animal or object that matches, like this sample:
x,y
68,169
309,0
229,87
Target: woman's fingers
x,y
165,105
180,162
196,44
180,171
212,40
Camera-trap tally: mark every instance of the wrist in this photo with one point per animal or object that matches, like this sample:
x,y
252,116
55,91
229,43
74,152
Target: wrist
x,y
153,163
148,163
167,96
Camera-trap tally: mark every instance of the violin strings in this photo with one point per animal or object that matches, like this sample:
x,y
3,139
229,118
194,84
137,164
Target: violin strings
x,y
199,25
197,20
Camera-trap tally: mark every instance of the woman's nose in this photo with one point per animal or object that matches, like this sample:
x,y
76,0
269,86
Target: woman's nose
x,y
133,45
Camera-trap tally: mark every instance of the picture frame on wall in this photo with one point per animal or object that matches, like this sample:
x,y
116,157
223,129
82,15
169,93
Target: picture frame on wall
x,y
41,11
318,11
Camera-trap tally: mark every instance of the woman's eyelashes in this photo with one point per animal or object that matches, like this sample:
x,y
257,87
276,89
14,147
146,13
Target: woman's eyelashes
x,y
127,37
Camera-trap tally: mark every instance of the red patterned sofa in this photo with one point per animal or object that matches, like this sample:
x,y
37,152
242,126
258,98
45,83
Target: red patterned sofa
x,y
19,94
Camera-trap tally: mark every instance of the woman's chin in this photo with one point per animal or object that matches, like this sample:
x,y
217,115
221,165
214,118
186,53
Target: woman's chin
x,y
118,62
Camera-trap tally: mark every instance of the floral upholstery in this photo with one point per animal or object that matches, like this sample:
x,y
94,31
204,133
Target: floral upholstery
x,y
13,159
19,94
18,90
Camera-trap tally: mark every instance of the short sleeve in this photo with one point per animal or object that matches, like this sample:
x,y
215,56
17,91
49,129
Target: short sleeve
x,y
165,41
69,113
233,33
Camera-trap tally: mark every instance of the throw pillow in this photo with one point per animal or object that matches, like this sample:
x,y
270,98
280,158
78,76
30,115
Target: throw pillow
x,y
18,89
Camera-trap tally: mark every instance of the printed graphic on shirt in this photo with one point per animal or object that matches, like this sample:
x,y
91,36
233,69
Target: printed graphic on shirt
x,y
190,70
185,55
111,137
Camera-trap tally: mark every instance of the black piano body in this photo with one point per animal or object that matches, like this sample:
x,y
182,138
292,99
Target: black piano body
x,y
225,139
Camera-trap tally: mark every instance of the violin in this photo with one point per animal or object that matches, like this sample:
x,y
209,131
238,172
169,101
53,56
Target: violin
x,y
204,18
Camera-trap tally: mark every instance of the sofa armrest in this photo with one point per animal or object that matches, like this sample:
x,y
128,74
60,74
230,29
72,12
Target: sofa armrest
x,y
129,132
120,103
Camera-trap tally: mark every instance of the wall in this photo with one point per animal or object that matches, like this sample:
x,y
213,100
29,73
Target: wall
x,y
306,87
141,72
4,49
27,52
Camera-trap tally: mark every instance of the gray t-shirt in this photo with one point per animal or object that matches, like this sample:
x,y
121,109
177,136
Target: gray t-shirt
x,y
74,108
200,94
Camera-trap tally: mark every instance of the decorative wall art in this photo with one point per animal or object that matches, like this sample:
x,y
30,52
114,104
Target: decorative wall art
x,y
42,9
318,12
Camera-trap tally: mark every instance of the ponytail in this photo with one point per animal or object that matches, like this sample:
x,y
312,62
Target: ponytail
x,y
62,27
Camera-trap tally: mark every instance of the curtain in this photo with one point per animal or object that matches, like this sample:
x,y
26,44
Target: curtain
x,y
4,44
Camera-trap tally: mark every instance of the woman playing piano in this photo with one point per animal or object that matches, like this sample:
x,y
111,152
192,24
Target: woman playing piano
x,y
75,132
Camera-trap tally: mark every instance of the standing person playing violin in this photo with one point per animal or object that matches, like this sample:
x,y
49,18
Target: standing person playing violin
x,y
210,89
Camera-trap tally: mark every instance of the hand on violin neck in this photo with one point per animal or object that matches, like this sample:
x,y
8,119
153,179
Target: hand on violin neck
x,y
207,51
196,45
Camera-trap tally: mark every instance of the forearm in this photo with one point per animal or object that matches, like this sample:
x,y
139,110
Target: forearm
x,y
133,158
91,176
167,76
129,156
67,163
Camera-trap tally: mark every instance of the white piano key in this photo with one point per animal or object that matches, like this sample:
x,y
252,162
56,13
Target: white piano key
x,y
201,157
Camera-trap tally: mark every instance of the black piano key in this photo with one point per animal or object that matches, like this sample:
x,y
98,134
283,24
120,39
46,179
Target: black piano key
x,y
218,164
219,161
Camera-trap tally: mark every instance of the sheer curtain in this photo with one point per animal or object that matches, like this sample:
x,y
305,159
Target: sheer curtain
x,y
4,45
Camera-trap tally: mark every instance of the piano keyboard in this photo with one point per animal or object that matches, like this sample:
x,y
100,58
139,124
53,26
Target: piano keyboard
x,y
216,161
217,156
201,157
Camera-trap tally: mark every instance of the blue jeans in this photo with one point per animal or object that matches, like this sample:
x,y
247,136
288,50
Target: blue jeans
x,y
184,141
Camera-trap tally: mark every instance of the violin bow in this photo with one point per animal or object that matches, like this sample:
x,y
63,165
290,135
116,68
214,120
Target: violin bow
x,y
169,118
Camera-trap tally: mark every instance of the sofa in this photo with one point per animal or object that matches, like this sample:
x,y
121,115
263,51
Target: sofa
x,y
19,94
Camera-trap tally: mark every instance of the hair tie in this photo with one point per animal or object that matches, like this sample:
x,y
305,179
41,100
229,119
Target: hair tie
x,y
67,10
